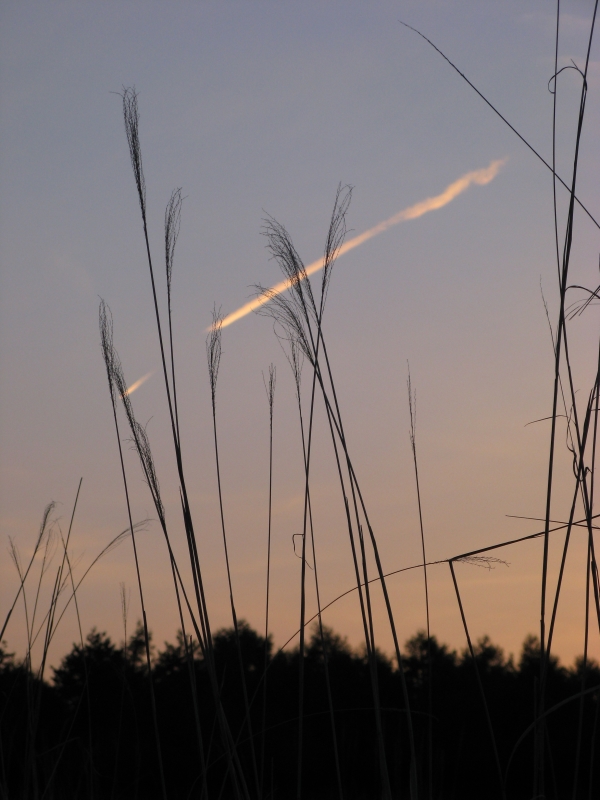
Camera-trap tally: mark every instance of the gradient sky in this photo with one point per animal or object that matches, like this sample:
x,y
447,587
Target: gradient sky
x,y
265,107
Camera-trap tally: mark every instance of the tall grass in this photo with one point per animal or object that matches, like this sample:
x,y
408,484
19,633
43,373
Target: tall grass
x,y
578,431
234,718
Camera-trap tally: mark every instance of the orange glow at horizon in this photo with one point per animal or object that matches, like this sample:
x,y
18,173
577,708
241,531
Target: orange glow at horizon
x,y
481,177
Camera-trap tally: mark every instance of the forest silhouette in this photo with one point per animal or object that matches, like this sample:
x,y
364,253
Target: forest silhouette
x,y
94,734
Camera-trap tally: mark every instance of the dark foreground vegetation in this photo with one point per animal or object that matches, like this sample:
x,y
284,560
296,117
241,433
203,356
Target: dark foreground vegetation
x,y
90,732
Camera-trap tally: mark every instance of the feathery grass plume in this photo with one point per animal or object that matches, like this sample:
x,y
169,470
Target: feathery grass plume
x,y
213,352
296,361
213,356
282,250
288,320
131,116
270,390
172,226
172,223
486,562
297,311
335,238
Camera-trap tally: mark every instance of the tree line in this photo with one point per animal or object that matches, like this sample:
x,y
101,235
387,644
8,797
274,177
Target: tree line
x,y
90,734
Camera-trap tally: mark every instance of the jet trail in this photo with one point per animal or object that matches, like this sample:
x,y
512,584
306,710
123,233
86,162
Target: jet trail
x,y
481,177
136,385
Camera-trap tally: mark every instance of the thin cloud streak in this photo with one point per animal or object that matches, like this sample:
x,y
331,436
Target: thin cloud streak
x,y
481,177
136,385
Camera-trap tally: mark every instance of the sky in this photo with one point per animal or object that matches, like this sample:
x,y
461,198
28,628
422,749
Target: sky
x,y
264,108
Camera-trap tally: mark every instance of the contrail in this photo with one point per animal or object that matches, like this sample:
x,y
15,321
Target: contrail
x,y
131,389
479,176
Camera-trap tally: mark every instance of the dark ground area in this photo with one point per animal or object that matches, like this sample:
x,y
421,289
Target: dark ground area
x,y
90,733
